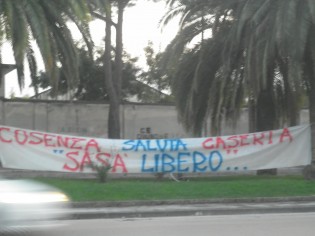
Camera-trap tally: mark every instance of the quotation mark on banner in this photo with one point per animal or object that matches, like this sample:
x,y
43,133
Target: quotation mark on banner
x,y
56,151
229,151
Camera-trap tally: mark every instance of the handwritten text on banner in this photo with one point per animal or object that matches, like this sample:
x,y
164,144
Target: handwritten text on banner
x,y
34,150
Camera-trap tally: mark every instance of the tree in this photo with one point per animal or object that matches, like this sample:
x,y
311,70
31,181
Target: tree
x,y
103,9
220,18
269,44
276,39
45,23
91,86
196,70
158,84
113,80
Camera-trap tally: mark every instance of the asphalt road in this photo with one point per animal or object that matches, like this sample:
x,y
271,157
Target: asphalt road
x,y
287,224
145,209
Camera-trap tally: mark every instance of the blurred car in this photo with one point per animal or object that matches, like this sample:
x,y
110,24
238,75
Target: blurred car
x,y
27,206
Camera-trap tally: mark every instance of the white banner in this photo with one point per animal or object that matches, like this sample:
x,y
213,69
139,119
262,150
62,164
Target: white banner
x,y
34,150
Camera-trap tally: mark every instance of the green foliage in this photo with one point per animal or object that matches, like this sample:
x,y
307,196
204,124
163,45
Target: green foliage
x,y
253,46
146,86
155,84
101,171
91,85
22,21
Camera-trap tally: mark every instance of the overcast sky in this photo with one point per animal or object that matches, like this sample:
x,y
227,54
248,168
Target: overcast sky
x,y
141,24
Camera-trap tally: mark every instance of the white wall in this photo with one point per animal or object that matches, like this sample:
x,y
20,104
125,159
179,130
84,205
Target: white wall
x,y
90,119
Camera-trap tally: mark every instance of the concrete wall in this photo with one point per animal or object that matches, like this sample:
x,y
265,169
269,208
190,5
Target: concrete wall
x,y
90,119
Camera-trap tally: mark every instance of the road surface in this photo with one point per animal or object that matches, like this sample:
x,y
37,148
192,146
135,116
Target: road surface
x,y
236,225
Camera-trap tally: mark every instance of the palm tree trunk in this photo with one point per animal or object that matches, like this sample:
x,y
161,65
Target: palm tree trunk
x,y
312,121
251,115
114,100
114,84
266,119
119,49
309,171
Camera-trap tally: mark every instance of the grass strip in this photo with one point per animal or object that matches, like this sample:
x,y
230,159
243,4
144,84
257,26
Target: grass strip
x,y
195,188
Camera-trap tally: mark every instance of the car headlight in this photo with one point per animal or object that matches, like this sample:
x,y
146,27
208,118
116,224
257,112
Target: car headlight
x,y
31,198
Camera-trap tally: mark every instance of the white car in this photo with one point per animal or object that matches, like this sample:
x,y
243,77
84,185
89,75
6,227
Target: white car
x,y
28,206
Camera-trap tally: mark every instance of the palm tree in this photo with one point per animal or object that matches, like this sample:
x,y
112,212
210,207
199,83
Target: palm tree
x,y
197,76
102,9
219,16
276,38
45,23
269,44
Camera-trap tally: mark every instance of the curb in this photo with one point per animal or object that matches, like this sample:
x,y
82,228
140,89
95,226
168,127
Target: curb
x,y
97,204
138,209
